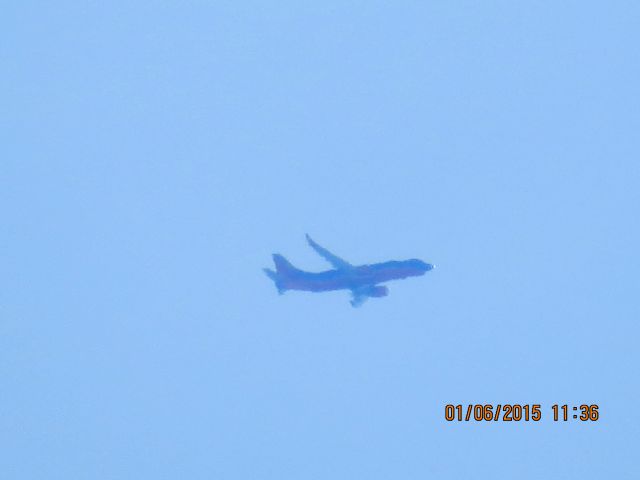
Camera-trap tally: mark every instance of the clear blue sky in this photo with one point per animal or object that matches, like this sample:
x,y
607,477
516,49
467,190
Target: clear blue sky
x,y
154,155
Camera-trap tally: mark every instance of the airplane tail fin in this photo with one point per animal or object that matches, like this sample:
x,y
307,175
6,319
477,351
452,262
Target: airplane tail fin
x,y
283,270
283,266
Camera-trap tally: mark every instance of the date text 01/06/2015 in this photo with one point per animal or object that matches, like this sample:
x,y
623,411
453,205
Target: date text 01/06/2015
x,y
519,412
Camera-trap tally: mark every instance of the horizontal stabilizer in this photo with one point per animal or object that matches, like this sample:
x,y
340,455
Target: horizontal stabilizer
x,y
276,280
271,274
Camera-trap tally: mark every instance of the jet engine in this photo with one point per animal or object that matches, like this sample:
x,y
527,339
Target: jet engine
x,y
377,291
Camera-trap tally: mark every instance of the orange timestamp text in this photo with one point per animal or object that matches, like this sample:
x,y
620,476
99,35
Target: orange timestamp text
x,y
518,412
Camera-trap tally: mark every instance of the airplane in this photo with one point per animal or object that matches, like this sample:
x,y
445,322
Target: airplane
x,y
361,280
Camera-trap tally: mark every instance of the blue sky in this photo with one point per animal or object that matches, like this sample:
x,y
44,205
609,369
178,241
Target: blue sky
x,y
155,154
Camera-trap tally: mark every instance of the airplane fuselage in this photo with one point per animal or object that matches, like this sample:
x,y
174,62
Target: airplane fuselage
x,y
356,277
363,281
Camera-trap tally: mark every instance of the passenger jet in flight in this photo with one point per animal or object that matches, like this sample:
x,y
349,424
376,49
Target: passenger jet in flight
x,y
361,280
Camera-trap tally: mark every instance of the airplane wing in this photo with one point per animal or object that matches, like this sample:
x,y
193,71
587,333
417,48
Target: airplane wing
x,y
334,260
357,301
358,298
360,295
